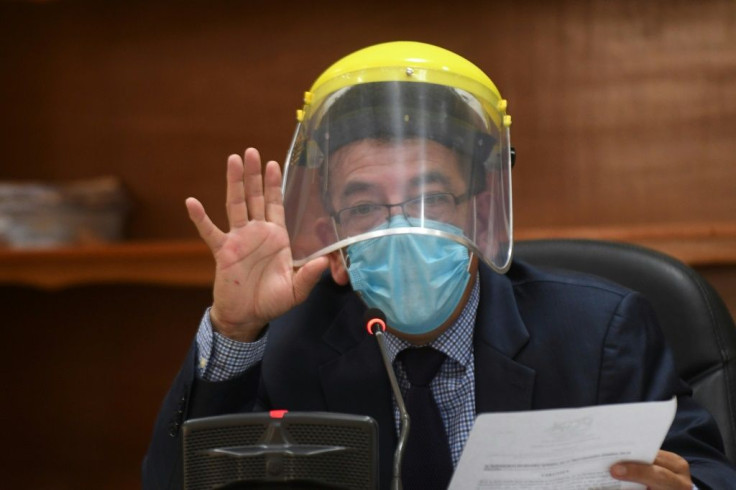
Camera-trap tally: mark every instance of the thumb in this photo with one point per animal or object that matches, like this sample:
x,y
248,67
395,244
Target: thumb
x,y
307,276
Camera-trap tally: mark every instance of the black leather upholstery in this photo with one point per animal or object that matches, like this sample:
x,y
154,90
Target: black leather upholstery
x,y
693,317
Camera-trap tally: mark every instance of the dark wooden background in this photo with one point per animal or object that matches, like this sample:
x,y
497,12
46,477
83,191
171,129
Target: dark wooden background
x,y
624,115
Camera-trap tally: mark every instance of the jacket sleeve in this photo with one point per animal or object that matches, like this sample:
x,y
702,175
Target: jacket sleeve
x,y
190,397
637,365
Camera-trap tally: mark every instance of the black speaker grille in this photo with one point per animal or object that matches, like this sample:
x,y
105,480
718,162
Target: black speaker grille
x,y
307,433
350,468
203,471
355,471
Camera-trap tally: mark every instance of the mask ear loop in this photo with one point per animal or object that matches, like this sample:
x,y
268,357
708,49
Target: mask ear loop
x,y
475,218
471,255
343,255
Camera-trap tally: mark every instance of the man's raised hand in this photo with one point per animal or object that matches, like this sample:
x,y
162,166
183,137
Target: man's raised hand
x,y
254,278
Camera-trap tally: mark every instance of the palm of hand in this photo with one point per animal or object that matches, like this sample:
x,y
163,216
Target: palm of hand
x,y
253,278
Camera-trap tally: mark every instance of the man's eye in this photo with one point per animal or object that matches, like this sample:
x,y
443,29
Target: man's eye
x,y
362,210
437,200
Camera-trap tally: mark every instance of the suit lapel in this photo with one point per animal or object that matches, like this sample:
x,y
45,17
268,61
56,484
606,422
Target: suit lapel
x,y
501,383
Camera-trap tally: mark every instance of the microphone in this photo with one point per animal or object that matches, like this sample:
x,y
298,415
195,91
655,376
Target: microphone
x,y
375,323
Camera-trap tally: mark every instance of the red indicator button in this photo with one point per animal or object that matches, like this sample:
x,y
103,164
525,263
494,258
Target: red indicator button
x,y
277,414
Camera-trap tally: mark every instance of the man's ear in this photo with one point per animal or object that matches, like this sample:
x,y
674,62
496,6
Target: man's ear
x,y
482,206
326,232
337,268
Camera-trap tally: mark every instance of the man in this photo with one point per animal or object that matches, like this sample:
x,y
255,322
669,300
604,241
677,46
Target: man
x,y
398,182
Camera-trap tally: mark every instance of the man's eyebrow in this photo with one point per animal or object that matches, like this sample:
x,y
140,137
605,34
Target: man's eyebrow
x,y
434,177
356,187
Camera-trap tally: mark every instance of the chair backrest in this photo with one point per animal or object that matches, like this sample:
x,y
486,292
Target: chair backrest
x,y
693,317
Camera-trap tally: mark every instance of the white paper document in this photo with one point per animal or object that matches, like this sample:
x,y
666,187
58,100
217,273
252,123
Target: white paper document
x,y
568,448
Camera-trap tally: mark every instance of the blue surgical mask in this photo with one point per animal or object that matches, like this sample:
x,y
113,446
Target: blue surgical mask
x,y
417,280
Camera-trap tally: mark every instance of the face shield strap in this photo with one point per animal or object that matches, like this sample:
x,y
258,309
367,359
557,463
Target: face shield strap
x,y
386,125
395,111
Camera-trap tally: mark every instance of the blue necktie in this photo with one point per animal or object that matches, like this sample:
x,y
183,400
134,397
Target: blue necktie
x,y
427,462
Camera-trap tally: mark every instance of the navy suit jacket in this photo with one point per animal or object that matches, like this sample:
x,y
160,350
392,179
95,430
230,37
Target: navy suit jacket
x,y
542,340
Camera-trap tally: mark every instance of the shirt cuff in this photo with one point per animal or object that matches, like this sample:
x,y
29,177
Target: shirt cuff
x,y
220,358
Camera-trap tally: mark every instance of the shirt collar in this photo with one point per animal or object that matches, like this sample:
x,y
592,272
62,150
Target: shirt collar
x,y
456,342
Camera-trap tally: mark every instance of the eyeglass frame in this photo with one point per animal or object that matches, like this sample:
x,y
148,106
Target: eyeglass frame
x,y
456,200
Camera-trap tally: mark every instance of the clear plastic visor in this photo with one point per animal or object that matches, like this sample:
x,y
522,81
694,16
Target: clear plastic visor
x,y
395,158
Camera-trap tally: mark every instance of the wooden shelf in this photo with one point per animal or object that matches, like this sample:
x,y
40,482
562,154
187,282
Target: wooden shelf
x,y
188,262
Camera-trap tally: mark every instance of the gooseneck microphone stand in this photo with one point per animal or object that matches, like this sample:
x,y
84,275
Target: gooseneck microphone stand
x,y
376,325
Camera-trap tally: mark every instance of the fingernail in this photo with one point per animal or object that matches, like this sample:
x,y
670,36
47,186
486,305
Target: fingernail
x,y
619,470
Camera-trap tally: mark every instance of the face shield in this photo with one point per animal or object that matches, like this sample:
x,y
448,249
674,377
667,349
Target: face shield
x,y
401,157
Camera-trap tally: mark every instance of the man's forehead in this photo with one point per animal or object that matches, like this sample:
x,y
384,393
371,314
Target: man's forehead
x,y
418,160
415,181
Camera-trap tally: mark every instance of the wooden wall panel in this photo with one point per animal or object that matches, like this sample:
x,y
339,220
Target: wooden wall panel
x,y
623,111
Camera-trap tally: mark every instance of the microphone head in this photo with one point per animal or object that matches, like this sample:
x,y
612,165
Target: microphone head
x,y
372,313
374,319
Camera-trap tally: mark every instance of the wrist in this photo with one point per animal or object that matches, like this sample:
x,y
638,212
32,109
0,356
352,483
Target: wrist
x,y
241,332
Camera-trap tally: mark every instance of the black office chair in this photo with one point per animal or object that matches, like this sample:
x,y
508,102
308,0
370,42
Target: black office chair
x,y
693,317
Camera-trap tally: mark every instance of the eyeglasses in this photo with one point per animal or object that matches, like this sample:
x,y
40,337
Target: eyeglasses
x,y
439,206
